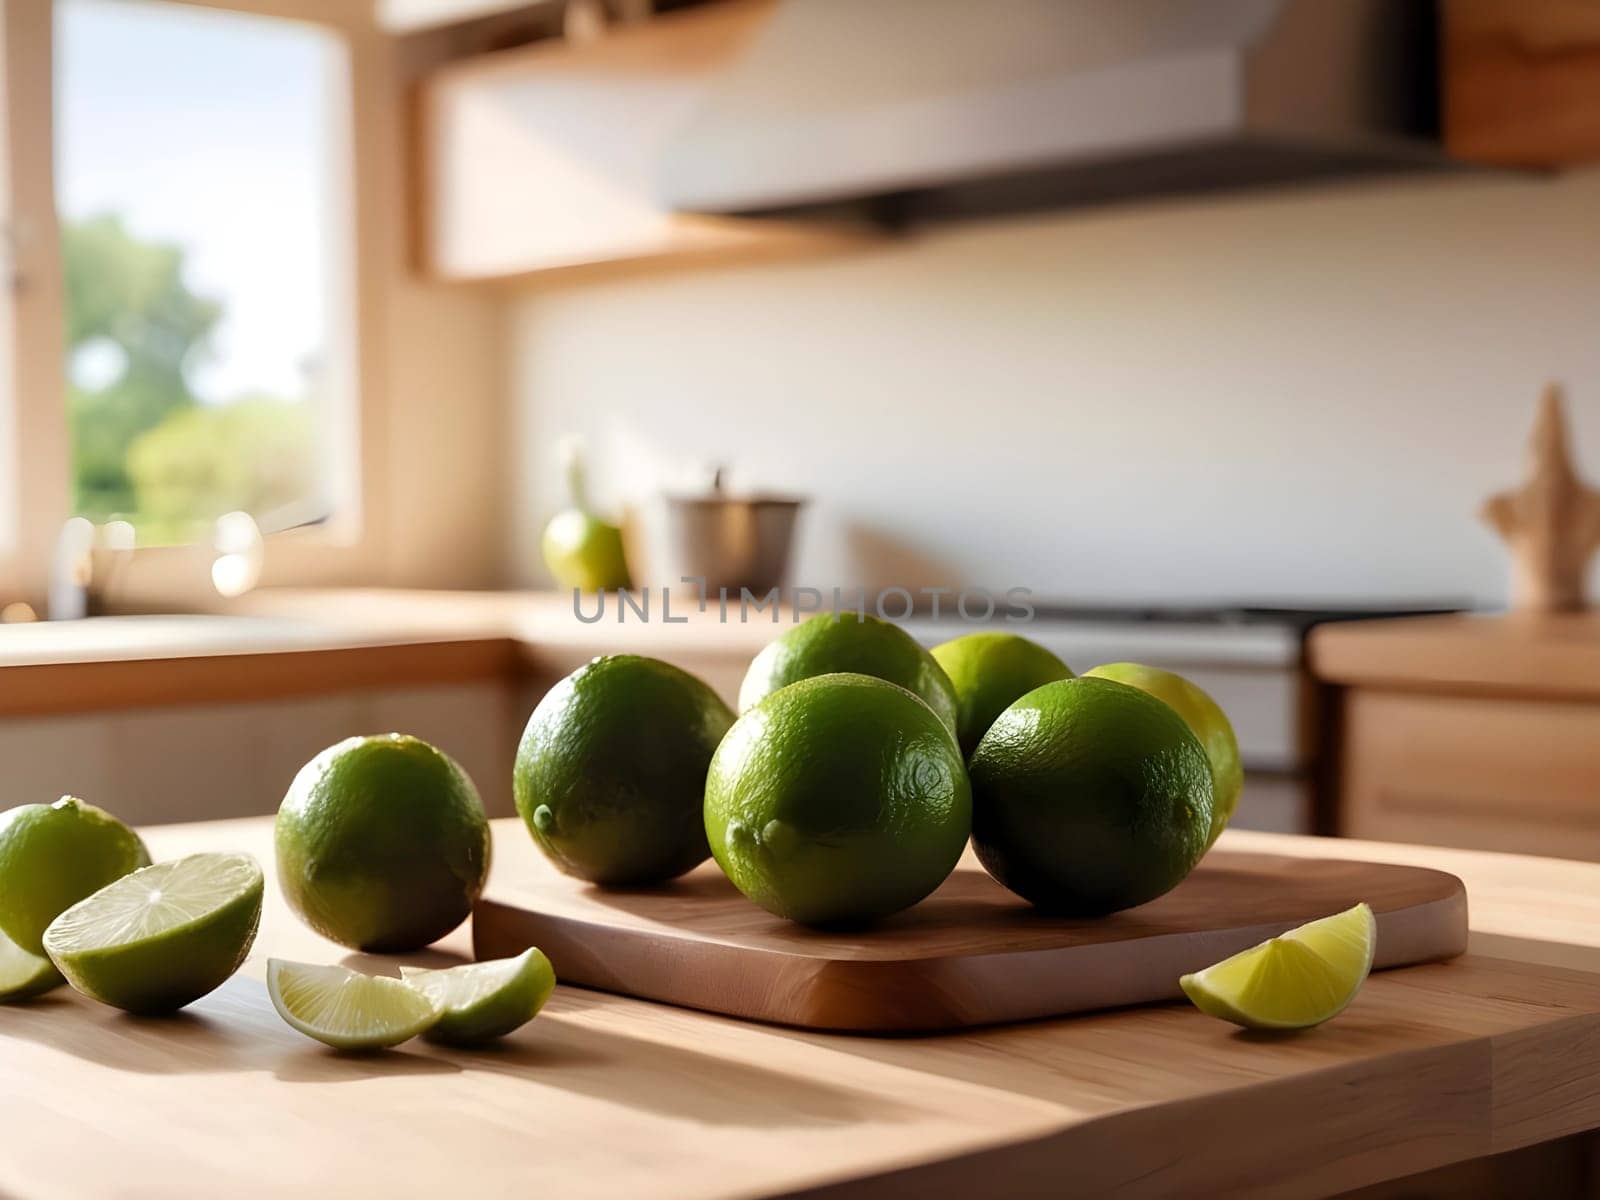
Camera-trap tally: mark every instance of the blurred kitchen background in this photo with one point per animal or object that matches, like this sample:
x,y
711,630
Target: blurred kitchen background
x,y
1213,325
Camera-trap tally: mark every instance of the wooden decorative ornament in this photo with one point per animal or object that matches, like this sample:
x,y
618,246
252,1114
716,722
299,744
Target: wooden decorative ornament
x,y
1551,523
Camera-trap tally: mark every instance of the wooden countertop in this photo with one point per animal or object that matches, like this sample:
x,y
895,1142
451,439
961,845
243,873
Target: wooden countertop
x,y
283,642
279,642
604,1096
1509,654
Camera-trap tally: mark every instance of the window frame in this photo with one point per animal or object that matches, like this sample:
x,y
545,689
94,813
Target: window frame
x,y
352,545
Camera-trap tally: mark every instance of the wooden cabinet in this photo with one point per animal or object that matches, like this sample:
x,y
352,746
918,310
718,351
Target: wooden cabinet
x,y
1521,83
166,763
1495,774
545,158
1480,732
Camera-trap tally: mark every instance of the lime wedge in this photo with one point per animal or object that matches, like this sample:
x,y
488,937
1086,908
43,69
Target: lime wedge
x,y
23,974
1293,981
485,1000
163,936
345,1009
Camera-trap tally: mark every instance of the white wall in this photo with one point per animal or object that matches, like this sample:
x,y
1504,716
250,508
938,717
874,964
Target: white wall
x,y
1300,393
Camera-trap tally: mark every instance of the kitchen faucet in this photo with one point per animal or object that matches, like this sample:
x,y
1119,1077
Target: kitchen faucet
x,y
85,561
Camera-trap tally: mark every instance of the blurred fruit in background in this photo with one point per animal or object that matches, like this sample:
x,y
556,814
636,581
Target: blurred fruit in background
x,y
1209,723
580,549
1089,796
831,643
988,672
837,800
611,770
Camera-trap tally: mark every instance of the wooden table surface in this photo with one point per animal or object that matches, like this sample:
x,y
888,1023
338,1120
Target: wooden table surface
x,y
607,1096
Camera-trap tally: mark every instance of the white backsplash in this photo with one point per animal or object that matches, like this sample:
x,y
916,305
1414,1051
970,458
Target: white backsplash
x,y
1294,393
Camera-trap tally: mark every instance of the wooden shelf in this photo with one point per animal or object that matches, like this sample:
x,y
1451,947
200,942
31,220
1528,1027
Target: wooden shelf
x,y
545,158
415,16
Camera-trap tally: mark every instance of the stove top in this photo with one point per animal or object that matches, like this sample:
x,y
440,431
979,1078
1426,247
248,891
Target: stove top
x,y
1299,617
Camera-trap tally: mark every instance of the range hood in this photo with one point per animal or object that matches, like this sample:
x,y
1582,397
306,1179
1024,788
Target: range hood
x,y
944,107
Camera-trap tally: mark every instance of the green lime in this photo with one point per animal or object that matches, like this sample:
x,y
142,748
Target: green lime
x,y
830,644
1209,723
581,550
345,1009
584,552
485,1000
23,975
382,843
163,936
52,856
1293,981
837,800
611,770
989,671
1089,796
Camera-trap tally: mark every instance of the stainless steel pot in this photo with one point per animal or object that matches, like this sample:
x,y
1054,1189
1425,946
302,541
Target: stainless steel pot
x,y
731,542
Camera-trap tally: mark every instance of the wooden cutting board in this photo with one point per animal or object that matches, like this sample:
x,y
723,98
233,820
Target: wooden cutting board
x,y
971,954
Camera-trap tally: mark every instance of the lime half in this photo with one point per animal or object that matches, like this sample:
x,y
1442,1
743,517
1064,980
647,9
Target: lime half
x,y
485,1000
161,937
346,1009
1295,980
22,974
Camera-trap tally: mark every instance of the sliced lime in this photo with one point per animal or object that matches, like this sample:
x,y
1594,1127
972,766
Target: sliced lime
x,y
23,974
161,937
485,1000
1293,981
345,1009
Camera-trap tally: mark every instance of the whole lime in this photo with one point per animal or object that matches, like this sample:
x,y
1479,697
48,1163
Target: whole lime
x,y
611,770
838,800
989,671
52,856
584,552
832,643
382,843
1209,723
1089,796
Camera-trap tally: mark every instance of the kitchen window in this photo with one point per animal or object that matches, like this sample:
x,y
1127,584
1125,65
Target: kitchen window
x,y
240,162
199,161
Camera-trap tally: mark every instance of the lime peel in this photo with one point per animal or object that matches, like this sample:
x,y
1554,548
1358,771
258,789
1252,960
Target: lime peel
x,y
1293,981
